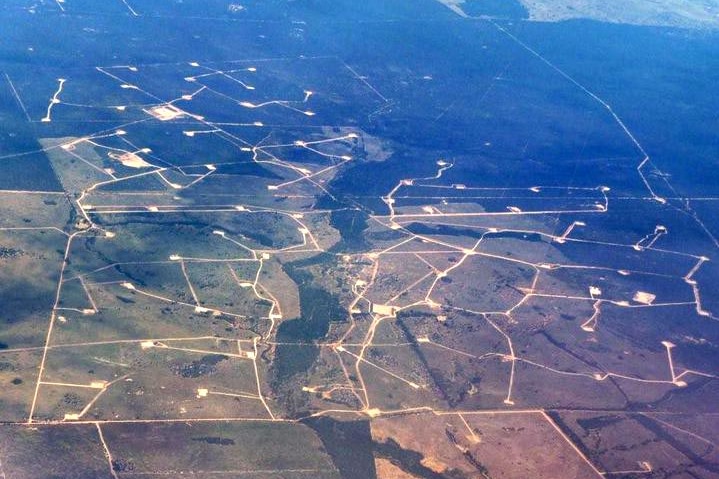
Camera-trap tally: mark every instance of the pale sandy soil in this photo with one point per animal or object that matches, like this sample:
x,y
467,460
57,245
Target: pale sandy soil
x,y
675,13
681,13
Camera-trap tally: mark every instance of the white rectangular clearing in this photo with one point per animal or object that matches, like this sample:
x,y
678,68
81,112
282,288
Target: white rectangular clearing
x,y
165,112
644,297
384,309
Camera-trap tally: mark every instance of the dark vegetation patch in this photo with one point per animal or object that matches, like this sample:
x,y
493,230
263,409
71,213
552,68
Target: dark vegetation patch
x,y
125,300
292,361
351,224
121,465
201,367
247,169
319,308
349,444
29,172
220,441
410,461
10,252
598,422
